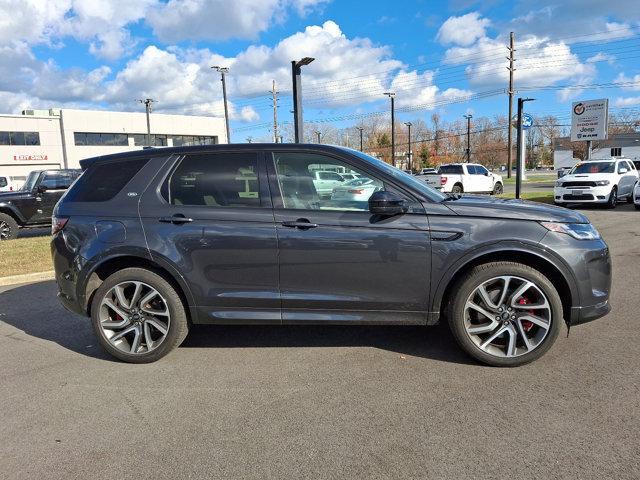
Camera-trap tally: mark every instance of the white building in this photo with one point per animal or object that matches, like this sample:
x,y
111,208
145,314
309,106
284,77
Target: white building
x,y
625,145
42,139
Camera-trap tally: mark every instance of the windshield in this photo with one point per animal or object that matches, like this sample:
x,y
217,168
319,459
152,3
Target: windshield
x,y
594,167
31,182
410,180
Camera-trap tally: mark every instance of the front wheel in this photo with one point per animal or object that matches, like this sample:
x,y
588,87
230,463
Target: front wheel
x,y
138,316
613,198
505,314
498,189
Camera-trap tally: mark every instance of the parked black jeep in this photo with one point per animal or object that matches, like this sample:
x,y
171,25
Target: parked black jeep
x,y
32,205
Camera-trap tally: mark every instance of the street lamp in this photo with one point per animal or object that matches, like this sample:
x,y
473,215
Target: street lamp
x,y
223,71
391,96
360,129
318,133
409,124
296,70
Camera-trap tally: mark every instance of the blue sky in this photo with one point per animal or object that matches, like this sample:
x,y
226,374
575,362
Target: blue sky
x,y
437,56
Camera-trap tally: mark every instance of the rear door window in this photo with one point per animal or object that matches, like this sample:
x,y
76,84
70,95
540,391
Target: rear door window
x,y
216,180
102,182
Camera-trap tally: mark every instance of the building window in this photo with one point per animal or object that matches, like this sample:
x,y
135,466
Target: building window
x,y
19,138
101,139
187,140
616,151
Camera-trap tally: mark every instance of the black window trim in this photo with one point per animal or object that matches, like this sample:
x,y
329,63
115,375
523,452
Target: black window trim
x,y
265,194
276,195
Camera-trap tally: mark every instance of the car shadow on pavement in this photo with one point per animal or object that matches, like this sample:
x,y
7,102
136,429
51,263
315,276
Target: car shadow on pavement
x,y
34,309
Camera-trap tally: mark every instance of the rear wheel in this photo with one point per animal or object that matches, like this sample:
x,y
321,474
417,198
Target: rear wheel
x,y
138,316
505,314
630,196
457,189
8,227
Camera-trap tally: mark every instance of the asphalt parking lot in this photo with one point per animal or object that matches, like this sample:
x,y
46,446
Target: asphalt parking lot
x,y
322,402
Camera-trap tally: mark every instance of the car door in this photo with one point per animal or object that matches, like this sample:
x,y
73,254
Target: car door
x,y
627,178
339,263
472,179
49,190
485,180
211,218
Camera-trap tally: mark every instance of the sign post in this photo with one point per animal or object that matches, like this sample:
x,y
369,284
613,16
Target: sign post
x,y
589,121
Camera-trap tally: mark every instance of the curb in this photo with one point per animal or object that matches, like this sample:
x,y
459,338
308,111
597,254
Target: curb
x,y
27,278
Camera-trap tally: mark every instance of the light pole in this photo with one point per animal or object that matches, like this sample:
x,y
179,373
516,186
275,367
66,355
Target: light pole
x,y
392,96
360,129
468,117
408,124
296,70
147,103
519,149
223,71
318,133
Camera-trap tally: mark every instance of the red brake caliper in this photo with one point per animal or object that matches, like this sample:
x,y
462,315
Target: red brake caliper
x,y
526,324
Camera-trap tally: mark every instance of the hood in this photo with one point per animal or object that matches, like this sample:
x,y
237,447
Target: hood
x,y
10,196
586,177
486,206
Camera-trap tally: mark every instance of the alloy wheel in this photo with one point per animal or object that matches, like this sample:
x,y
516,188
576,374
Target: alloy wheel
x,y
5,230
134,317
507,316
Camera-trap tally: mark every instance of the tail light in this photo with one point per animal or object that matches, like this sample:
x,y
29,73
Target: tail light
x,y
57,224
358,191
443,180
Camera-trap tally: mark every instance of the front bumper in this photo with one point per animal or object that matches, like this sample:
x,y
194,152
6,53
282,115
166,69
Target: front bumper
x,y
582,194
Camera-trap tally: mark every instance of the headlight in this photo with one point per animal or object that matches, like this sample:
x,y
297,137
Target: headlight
x,y
602,183
558,183
579,231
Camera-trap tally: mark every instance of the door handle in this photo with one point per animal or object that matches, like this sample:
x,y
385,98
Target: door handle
x,y
176,219
301,223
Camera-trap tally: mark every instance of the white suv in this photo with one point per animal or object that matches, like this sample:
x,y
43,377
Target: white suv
x,y
597,181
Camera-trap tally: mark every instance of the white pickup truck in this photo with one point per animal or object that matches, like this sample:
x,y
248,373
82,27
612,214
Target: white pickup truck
x,y
464,178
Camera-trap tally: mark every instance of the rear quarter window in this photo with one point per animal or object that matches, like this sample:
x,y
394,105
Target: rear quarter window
x,y
102,182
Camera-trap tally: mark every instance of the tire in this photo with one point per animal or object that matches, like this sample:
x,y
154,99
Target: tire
x,y
457,189
630,196
613,198
542,337
8,227
637,206
498,189
169,314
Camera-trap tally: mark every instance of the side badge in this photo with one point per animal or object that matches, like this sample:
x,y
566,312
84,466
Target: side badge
x,y
132,194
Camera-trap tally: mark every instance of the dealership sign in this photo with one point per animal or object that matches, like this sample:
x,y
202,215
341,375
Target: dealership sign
x,y
36,158
589,120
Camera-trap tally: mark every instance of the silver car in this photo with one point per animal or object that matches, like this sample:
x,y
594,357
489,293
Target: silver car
x,y
357,190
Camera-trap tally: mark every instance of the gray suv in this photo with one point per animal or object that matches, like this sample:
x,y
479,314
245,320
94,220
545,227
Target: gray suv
x,y
147,243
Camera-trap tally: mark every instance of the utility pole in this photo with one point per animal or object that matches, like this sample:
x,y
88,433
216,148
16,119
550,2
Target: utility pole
x,y
223,71
360,129
392,95
296,70
511,69
147,103
408,124
317,132
468,117
520,147
275,112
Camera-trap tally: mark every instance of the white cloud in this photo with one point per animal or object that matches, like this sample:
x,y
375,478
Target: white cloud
x,y
221,19
464,30
545,63
602,57
633,83
626,101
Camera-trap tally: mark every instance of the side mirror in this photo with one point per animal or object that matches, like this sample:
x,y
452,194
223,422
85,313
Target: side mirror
x,y
486,174
387,204
41,189
623,170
